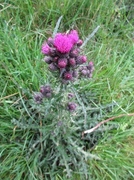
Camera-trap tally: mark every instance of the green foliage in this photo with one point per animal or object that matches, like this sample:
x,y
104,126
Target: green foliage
x,y
26,131
57,138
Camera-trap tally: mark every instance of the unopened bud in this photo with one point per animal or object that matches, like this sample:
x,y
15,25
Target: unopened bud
x,y
74,53
72,61
80,42
75,74
53,67
62,63
45,49
48,59
38,97
71,106
68,76
70,95
90,66
83,59
48,95
50,41
52,51
45,89
84,72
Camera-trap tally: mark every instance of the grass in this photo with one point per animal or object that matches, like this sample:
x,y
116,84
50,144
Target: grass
x,y
24,27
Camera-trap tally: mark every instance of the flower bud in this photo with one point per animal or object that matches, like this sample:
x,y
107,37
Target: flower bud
x,y
62,63
78,60
75,74
55,59
68,76
84,72
91,63
71,106
83,59
48,59
70,95
38,97
90,75
48,95
53,67
74,53
82,68
45,49
80,42
50,41
52,52
72,61
91,66
45,89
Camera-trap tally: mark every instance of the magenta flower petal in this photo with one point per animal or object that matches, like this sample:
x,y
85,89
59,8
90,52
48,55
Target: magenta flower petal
x,y
73,36
62,43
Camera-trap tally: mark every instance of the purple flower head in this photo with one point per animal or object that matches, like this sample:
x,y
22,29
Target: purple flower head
x,y
45,49
71,106
68,76
73,36
63,43
63,54
62,63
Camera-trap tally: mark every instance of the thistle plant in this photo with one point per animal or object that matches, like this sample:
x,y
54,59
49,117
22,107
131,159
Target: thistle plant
x,y
57,113
64,55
